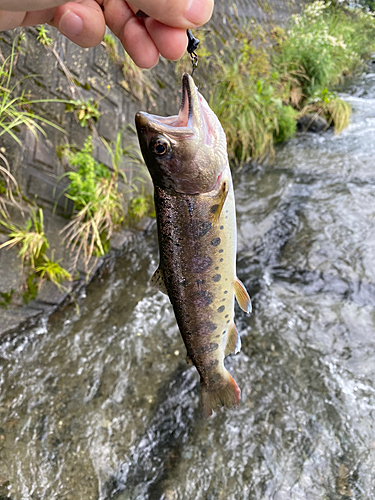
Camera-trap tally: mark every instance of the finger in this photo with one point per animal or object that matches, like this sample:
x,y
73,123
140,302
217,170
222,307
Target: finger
x,y
26,5
178,13
10,20
82,22
132,33
37,17
138,44
170,42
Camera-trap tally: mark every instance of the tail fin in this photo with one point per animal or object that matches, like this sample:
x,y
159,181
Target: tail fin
x,y
226,394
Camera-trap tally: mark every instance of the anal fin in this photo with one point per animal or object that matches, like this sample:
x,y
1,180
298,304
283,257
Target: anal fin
x,y
157,281
234,341
242,296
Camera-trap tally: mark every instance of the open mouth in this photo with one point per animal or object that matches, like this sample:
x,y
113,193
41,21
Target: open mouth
x,y
193,120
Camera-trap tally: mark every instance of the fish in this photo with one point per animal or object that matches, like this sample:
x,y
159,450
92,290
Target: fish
x,y
186,156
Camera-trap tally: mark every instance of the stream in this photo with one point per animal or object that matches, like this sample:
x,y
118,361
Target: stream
x,y
101,404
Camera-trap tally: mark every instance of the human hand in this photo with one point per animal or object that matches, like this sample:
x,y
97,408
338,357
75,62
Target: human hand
x,y
84,21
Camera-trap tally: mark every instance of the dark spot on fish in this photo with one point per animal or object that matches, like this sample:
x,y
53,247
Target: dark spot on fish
x,y
216,268
215,242
216,278
191,204
224,332
212,364
199,228
221,227
221,251
204,349
217,336
223,300
228,321
200,263
221,309
206,328
221,260
226,291
202,298
215,378
214,208
227,316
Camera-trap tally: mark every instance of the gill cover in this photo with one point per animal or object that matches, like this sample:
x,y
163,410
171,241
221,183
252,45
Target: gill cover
x,y
185,153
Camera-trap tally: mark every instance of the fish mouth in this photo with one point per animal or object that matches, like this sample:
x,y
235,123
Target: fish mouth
x,y
192,119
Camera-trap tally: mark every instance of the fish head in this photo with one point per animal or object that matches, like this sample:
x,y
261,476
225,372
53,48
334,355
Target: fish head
x,y
185,153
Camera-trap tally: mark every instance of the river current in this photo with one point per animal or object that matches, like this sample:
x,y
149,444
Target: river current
x,y
101,404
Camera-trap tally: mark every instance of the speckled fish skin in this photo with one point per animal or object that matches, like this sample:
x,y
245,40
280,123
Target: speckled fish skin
x,y
194,200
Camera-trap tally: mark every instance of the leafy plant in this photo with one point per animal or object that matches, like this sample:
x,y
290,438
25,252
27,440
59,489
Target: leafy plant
x,y
141,206
6,298
43,37
86,110
33,244
98,205
323,44
16,106
327,104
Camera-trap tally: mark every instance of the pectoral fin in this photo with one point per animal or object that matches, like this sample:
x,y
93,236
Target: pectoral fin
x,y
157,281
224,190
242,296
233,342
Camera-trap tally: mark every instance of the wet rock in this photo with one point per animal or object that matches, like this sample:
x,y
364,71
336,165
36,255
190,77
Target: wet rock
x,y
312,123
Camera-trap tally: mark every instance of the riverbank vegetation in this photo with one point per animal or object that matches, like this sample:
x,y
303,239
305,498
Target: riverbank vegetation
x,y
261,82
37,266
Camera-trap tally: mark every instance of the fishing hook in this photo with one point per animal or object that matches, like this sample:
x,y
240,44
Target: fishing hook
x,y
191,48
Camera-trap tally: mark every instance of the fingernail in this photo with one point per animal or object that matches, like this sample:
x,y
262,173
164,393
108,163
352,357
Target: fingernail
x,y
70,24
199,11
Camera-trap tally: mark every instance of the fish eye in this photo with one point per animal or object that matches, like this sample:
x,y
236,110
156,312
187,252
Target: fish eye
x,y
161,146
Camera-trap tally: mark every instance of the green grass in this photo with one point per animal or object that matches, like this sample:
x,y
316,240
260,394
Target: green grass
x,y
260,83
86,111
32,246
16,107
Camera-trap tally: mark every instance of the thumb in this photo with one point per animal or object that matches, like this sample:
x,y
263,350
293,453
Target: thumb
x,y
178,13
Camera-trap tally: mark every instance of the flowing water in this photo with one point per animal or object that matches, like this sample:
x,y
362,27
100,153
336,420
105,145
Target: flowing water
x,y
101,404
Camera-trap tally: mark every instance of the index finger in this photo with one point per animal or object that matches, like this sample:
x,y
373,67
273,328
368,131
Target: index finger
x,y
177,13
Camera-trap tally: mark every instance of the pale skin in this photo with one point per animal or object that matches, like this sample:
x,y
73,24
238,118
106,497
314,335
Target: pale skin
x,y
163,32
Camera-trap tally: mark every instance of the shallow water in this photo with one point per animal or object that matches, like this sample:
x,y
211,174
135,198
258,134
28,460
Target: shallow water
x,y
102,405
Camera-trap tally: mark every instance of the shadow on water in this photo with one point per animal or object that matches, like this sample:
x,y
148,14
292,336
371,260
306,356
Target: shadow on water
x,y
101,405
